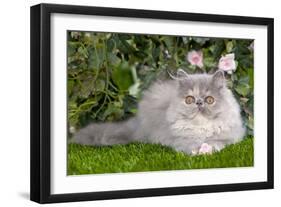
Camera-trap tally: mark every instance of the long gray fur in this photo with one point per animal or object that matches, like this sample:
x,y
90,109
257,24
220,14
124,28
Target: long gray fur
x,y
164,117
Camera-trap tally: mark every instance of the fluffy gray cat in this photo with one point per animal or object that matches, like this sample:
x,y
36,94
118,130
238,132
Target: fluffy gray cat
x,y
195,114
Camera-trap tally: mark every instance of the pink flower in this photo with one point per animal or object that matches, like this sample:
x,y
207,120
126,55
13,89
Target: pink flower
x,y
227,63
205,149
195,58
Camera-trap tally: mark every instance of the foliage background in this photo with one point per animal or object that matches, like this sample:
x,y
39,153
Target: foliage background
x,y
108,71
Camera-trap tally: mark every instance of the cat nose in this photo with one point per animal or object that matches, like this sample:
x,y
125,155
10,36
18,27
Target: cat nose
x,y
199,102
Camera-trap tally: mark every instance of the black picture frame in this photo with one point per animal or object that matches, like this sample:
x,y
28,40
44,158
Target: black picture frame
x,y
41,96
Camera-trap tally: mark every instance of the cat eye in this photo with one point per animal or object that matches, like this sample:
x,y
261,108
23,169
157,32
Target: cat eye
x,y
189,99
209,100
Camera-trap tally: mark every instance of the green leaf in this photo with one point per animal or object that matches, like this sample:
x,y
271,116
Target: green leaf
x,y
110,45
245,61
88,105
229,46
99,85
155,53
130,104
122,76
125,45
241,49
242,89
217,48
70,86
191,68
251,77
209,62
113,59
244,79
83,51
96,56
87,84
113,113
200,40
71,49
169,42
185,40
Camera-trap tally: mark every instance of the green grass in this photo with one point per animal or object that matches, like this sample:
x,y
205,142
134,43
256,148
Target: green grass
x,y
139,157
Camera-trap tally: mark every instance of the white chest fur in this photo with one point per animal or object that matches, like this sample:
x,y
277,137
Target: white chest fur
x,y
199,128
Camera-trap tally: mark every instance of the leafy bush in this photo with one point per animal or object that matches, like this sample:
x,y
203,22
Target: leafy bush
x,y
108,71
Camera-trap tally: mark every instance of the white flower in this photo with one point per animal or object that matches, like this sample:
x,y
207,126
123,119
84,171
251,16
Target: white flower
x,y
72,129
87,34
167,54
227,63
195,58
74,35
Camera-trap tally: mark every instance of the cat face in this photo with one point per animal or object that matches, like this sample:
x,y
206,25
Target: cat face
x,y
202,94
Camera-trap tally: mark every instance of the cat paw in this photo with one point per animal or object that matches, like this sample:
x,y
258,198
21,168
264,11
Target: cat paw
x,y
205,149
194,152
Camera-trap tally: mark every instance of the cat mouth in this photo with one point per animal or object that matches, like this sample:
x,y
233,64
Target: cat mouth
x,y
205,112
200,108
196,111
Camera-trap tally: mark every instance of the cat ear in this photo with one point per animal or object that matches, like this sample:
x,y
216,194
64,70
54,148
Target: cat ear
x,y
181,74
182,77
185,79
218,79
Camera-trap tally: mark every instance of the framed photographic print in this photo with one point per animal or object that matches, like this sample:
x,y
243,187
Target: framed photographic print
x,y
133,103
